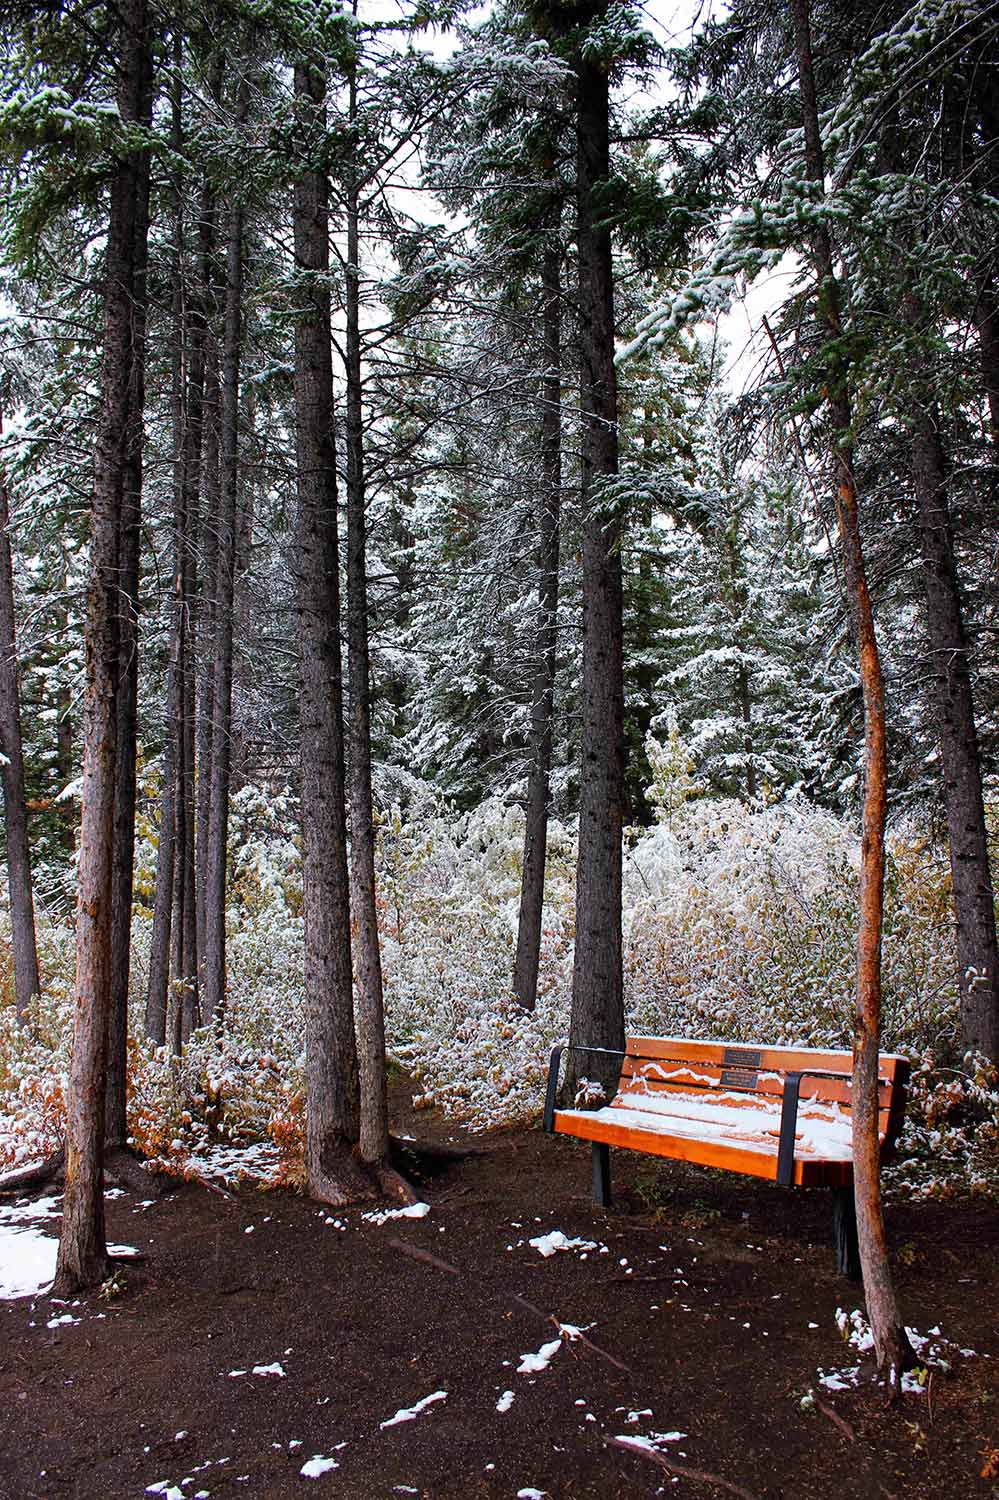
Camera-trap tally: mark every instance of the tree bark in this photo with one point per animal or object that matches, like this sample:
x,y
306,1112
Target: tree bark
x,y
207,624
205,525
332,1118
27,986
158,994
894,1353
370,1008
971,879
532,889
186,967
597,1018
83,1258
218,816
123,872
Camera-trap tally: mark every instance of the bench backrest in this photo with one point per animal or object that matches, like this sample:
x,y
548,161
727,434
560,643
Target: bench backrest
x,y
723,1070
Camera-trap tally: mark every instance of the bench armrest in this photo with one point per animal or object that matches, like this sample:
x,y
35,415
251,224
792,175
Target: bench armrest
x,y
789,1119
551,1092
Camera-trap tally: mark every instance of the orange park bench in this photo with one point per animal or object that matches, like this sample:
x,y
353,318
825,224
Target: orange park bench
x,y
777,1112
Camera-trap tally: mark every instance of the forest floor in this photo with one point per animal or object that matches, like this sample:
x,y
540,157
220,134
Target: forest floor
x,y
709,1302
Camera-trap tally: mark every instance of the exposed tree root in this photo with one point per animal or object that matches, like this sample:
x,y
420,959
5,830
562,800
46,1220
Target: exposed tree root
x,y
72,1281
392,1183
34,1176
339,1178
122,1167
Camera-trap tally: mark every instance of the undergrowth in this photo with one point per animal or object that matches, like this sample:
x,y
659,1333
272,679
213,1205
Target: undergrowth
x,y
738,924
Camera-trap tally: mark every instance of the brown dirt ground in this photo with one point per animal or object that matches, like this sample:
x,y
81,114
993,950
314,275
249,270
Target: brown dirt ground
x,y
722,1352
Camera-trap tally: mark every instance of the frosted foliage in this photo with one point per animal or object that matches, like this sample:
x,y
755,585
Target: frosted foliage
x,y
737,923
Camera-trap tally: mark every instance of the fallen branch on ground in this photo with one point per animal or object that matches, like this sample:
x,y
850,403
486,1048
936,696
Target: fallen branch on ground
x,y
699,1476
423,1256
580,1336
836,1420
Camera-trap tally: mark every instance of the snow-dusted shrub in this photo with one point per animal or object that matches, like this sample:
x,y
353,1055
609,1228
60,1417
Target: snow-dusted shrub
x,y
741,923
738,923
950,1140
34,1060
450,894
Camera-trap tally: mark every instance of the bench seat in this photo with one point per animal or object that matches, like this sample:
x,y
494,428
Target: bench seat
x,y
713,1134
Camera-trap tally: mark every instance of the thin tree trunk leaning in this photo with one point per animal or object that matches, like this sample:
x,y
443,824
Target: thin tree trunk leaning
x,y
370,1008
218,814
333,1173
971,880
83,1257
894,1352
532,889
123,872
597,1018
22,907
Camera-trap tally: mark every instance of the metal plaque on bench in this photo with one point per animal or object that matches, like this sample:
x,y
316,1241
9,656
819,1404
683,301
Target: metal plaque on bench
x,y
740,1067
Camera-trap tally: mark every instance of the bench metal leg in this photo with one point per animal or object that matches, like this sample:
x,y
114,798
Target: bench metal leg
x,y
845,1233
601,1174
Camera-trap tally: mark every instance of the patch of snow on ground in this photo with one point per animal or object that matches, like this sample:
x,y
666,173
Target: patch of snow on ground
x,y
548,1244
317,1466
411,1211
27,1261
276,1369
29,1211
258,1161
505,1401
571,1332
410,1413
531,1494
533,1364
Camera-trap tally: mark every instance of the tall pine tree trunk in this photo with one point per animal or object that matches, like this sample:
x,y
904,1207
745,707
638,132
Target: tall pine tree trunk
x,y
123,873
22,907
894,1352
83,1258
370,1010
597,1018
207,622
532,889
158,993
216,857
332,1120
186,965
971,880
